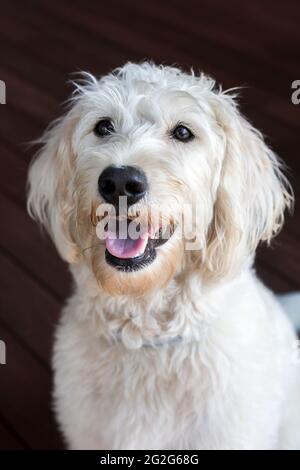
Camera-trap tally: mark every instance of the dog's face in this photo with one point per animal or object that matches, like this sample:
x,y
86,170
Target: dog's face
x,y
152,173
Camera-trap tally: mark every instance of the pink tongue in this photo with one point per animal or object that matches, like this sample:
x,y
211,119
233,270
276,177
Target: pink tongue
x,y
125,248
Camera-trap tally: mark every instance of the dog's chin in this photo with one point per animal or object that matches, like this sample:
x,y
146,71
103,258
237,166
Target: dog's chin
x,y
132,264
137,276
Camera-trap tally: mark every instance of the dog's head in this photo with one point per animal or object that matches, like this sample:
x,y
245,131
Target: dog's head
x,y
153,172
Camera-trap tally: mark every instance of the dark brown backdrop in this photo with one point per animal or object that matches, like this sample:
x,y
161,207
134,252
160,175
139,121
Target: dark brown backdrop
x,y
254,44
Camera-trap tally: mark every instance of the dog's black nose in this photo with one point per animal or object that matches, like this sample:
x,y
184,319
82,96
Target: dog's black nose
x,y
122,181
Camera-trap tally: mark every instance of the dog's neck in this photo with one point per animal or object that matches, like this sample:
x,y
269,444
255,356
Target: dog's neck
x,y
170,315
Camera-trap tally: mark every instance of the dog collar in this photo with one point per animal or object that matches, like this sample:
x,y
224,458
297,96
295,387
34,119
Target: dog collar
x,y
155,343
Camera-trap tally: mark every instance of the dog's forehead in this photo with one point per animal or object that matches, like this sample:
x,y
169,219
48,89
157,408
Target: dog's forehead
x,y
148,99
155,91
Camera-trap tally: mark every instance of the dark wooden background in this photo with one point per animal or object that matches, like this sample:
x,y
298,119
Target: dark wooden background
x,y
254,44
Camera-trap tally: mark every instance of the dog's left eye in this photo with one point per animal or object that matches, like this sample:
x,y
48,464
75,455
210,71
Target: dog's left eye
x,y
182,133
104,127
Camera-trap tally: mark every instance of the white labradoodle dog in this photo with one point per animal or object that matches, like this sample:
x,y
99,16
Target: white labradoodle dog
x,y
168,341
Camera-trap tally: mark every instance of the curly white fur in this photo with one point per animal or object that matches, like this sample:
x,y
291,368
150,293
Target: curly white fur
x,y
233,382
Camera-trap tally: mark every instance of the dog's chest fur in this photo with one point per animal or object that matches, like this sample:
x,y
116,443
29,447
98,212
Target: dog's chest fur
x,y
175,396
129,388
144,398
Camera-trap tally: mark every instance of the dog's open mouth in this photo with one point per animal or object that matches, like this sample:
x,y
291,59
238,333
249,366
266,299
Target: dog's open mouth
x,y
133,247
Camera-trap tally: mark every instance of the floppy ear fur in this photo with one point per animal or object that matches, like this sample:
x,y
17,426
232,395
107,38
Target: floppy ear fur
x,y
50,187
252,195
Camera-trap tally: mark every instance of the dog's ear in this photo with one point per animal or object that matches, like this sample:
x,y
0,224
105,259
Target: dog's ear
x,y
50,187
252,195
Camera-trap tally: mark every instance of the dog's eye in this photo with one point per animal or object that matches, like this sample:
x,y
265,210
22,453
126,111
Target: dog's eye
x,y
104,127
182,133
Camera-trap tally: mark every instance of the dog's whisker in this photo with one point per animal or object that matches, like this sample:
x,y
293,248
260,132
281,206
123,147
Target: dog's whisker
x,y
91,247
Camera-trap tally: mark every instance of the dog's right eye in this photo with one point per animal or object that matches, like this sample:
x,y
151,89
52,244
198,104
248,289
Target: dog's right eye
x,y
104,127
182,133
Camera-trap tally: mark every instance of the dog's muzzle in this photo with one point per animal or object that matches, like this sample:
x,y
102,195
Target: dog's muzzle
x,y
127,185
